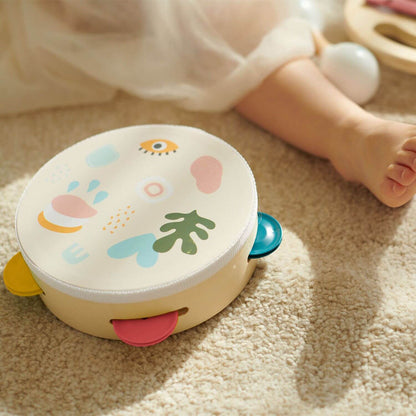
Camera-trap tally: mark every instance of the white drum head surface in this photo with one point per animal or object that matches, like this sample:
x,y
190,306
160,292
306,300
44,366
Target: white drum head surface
x,y
136,213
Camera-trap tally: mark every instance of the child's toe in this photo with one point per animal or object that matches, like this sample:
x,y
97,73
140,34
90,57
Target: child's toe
x,y
410,144
391,191
401,174
407,158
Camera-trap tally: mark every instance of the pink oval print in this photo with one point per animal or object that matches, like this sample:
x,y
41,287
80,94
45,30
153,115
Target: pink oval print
x,y
207,172
72,206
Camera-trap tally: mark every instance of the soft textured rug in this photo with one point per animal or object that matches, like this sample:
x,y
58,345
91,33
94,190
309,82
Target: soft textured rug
x,y
326,326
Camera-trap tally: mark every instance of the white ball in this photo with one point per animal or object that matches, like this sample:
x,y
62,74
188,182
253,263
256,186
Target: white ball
x,y
305,9
308,10
353,69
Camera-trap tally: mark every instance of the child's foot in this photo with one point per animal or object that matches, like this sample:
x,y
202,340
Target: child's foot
x,y
382,156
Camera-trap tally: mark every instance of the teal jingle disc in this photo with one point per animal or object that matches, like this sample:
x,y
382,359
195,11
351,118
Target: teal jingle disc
x,y
268,237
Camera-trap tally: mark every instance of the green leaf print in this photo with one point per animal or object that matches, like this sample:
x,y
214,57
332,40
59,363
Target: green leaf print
x,y
183,229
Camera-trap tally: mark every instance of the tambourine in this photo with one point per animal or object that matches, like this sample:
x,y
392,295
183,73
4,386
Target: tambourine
x,y
140,232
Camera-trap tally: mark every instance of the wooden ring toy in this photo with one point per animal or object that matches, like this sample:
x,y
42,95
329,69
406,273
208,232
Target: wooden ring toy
x,y
390,36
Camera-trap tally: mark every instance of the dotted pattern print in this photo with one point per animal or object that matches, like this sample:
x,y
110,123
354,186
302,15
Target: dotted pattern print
x,y
119,220
58,173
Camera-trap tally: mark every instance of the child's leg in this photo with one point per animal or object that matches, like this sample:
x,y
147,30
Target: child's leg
x,y
298,104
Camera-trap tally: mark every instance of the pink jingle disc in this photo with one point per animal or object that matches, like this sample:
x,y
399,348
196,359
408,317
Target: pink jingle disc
x,y
147,331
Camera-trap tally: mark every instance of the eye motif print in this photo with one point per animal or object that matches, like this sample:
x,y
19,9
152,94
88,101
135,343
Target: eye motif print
x,y
158,147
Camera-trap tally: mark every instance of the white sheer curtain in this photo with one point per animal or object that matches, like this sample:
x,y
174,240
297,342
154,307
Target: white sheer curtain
x,y
200,54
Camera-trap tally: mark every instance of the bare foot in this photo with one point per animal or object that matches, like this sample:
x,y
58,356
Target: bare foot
x,y
381,155
298,104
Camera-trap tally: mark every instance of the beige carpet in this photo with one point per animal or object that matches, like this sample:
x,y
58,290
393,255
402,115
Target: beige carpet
x,y
326,326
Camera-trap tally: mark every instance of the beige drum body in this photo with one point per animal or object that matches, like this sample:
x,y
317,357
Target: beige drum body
x,y
140,222
195,305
